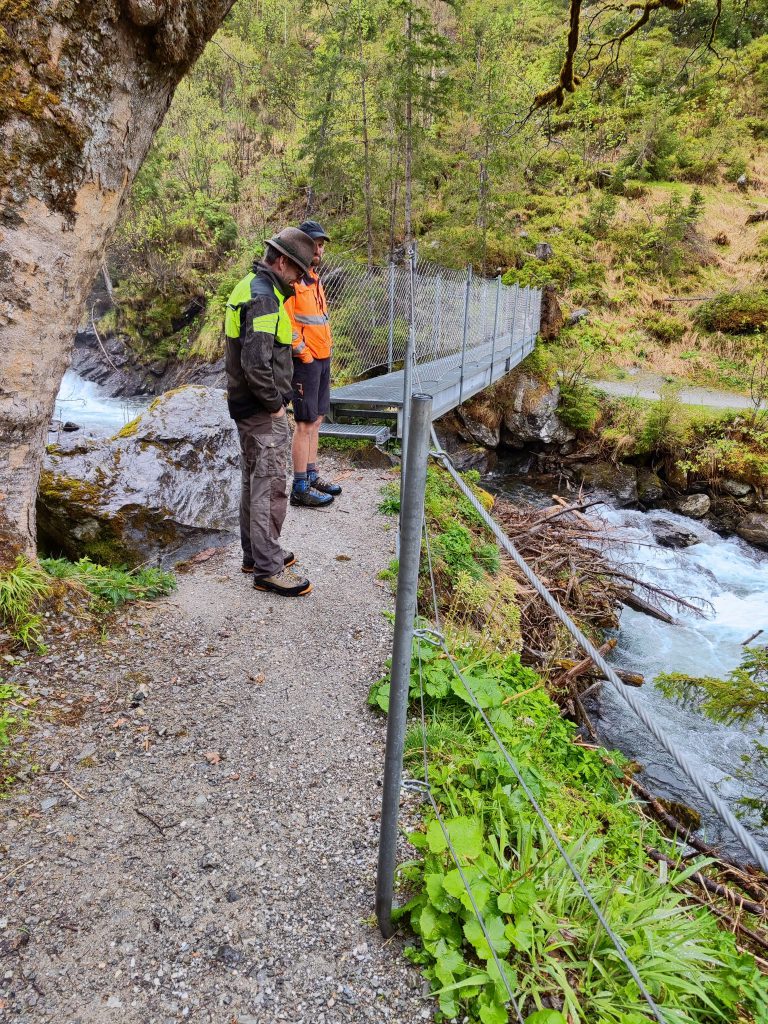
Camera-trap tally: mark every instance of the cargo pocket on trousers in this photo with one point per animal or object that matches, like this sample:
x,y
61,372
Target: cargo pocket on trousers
x,y
260,454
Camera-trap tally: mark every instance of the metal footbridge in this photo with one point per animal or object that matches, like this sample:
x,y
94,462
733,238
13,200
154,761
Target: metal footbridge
x,y
447,333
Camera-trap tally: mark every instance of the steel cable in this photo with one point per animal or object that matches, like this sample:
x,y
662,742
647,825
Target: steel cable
x,y
618,944
426,788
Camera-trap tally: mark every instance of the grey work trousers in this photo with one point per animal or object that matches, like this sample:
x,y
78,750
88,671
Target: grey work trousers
x,y
264,449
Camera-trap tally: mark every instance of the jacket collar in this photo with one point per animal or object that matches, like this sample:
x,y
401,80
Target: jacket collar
x,y
262,270
311,277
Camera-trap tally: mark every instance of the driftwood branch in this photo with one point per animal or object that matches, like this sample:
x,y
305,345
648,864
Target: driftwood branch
x,y
731,870
716,888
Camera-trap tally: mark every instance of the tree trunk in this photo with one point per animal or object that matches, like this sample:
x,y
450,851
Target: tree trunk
x,y
408,130
366,147
86,90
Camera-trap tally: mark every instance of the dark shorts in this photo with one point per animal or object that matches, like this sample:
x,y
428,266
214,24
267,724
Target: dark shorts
x,y
311,389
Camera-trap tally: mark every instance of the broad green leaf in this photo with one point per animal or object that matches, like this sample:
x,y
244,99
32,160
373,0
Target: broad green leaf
x,y
519,899
448,965
429,920
546,1017
466,835
494,1013
438,896
520,934
481,890
495,927
435,838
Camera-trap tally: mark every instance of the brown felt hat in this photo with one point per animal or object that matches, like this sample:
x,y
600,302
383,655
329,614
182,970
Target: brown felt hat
x,y
298,247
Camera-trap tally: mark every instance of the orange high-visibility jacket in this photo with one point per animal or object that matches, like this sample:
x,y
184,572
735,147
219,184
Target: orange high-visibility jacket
x,y
308,311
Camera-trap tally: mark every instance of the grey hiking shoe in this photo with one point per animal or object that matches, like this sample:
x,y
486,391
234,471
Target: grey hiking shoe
x,y
287,583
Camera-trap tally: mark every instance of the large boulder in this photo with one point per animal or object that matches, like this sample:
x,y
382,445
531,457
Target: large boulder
x,y
669,534
485,431
650,489
694,505
610,478
167,483
754,528
531,415
735,488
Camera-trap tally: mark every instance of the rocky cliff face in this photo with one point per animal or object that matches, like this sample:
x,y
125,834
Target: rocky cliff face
x,y
166,484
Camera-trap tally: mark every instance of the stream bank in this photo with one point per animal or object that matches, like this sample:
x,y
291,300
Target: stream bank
x,y
727,579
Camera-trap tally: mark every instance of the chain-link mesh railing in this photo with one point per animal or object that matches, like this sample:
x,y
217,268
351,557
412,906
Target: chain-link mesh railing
x,y
457,316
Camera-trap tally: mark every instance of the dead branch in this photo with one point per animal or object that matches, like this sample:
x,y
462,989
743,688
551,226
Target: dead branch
x,y
716,888
731,870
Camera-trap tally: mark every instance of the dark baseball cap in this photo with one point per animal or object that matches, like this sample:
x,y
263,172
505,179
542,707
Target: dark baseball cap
x,y
313,229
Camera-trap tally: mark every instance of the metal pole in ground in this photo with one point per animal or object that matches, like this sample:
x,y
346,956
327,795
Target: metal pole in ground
x,y
410,355
495,326
464,332
411,513
391,340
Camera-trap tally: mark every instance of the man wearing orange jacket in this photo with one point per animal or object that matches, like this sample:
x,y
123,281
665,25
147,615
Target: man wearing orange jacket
x,y
312,346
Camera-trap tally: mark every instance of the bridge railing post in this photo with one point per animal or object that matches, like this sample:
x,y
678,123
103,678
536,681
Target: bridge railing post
x,y
467,293
495,326
515,301
391,337
411,514
410,356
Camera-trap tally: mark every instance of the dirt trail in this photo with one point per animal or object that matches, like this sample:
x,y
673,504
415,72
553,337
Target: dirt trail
x,y
209,853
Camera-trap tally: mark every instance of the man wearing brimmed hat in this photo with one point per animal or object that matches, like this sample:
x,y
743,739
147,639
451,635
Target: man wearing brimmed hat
x,y
259,387
312,344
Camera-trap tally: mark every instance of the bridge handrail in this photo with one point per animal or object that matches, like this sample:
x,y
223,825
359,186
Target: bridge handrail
x,y
371,314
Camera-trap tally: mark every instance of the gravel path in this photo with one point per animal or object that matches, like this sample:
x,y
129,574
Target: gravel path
x,y
643,384
200,841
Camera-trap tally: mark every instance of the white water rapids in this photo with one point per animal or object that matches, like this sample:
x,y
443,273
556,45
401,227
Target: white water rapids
x,y
85,403
729,579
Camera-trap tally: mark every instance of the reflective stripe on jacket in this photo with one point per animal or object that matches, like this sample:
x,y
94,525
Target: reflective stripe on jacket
x,y
308,311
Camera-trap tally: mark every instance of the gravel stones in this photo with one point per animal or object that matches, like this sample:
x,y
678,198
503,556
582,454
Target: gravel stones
x,y
244,890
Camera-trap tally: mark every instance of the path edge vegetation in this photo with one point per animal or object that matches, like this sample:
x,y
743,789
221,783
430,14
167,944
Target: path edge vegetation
x,y
33,594
559,960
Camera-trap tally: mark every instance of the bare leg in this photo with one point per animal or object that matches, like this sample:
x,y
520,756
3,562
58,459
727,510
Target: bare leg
x,y
314,439
302,445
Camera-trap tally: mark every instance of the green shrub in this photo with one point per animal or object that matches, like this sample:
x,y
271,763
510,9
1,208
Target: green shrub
x,y
111,586
579,406
542,929
740,313
664,328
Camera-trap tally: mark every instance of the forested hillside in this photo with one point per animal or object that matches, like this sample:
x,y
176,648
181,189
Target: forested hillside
x,y
392,120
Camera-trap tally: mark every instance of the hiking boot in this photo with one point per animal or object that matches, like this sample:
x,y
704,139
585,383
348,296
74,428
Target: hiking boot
x,y
289,559
303,494
286,583
324,486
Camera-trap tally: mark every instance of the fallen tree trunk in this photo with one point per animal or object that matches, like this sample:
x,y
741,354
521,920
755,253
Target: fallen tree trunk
x,y
639,605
